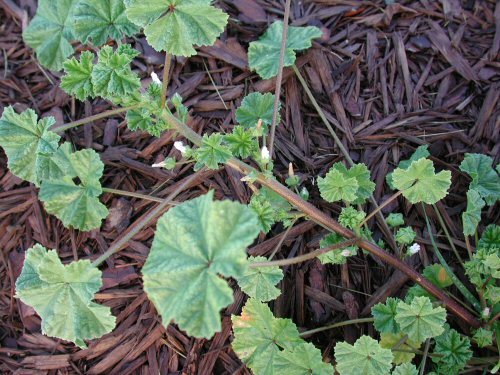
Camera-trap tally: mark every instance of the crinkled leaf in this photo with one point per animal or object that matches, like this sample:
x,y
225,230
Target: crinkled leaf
x,y
334,256
390,340
259,337
51,31
241,142
255,107
100,20
302,359
483,337
472,215
490,238
113,76
78,78
194,243
180,109
77,204
271,207
29,145
485,180
419,320
405,369
265,213
384,314
351,218
493,262
420,183
362,175
148,119
264,54
336,187
176,25
405,235
365,357
420,153
259,282
212,152
62,295
395,220
453,350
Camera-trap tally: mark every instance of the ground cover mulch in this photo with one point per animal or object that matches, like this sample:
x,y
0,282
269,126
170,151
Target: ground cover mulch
x,y
388,77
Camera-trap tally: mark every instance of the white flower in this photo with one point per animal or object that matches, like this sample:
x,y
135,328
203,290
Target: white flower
x,y
415,248
346,253
159,165
486,312
180,146
264,153
155,78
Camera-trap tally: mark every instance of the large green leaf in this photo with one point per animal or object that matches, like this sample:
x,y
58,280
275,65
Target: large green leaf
x,y
259,337
420,153
453,351
406,346
51,31
336,187
176,25
420,183
195,242
472,215
384,315
101,19
365,357
29,145
264,54
255,107
259,282
485,179
419,320
78,78
77,204
405,369
302,359
62,296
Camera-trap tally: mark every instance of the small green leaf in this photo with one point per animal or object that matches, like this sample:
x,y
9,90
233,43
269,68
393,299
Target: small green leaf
x,y
453,350
302,359
29,145
265,213
405,369
395,220
100,20
335,187
485,179
419,320
112,76
195,242
78,78
384,315
351,218
420,153
362,175
483,337
176,25
390,340
264,54
490,238
77,205
255,107
62,296
148,119
51,31
212,152
472,215
259,337
241,142
180,108
405,236
437,275
420,183
365,357
334,256
259,282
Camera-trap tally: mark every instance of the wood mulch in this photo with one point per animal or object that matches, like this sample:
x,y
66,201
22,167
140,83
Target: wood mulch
x,y
389,78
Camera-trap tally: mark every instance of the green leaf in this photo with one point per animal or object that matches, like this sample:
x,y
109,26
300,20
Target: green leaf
x,y
255,107
453,350
100,20
212,152
302,359
419,320
176,25
194,243
365,357
384,315
147,118
485,179
264,54
490,238
180,108
405,369
271,207
483,337
419,183
77,204
472,215
405,236
351,218
112,76
29,145
334,256
241,142
62,296
259,282
78,78
51,31
390,340
395,220
362,175
335,187
437,275
420,153
259,337
265,213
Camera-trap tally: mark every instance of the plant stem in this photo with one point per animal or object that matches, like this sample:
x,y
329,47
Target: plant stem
x,y
496,317
132,194
304,257
445,229
326,221
137,226
166,72
424,356
278,246
387,201
279,78
99,116
336,325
